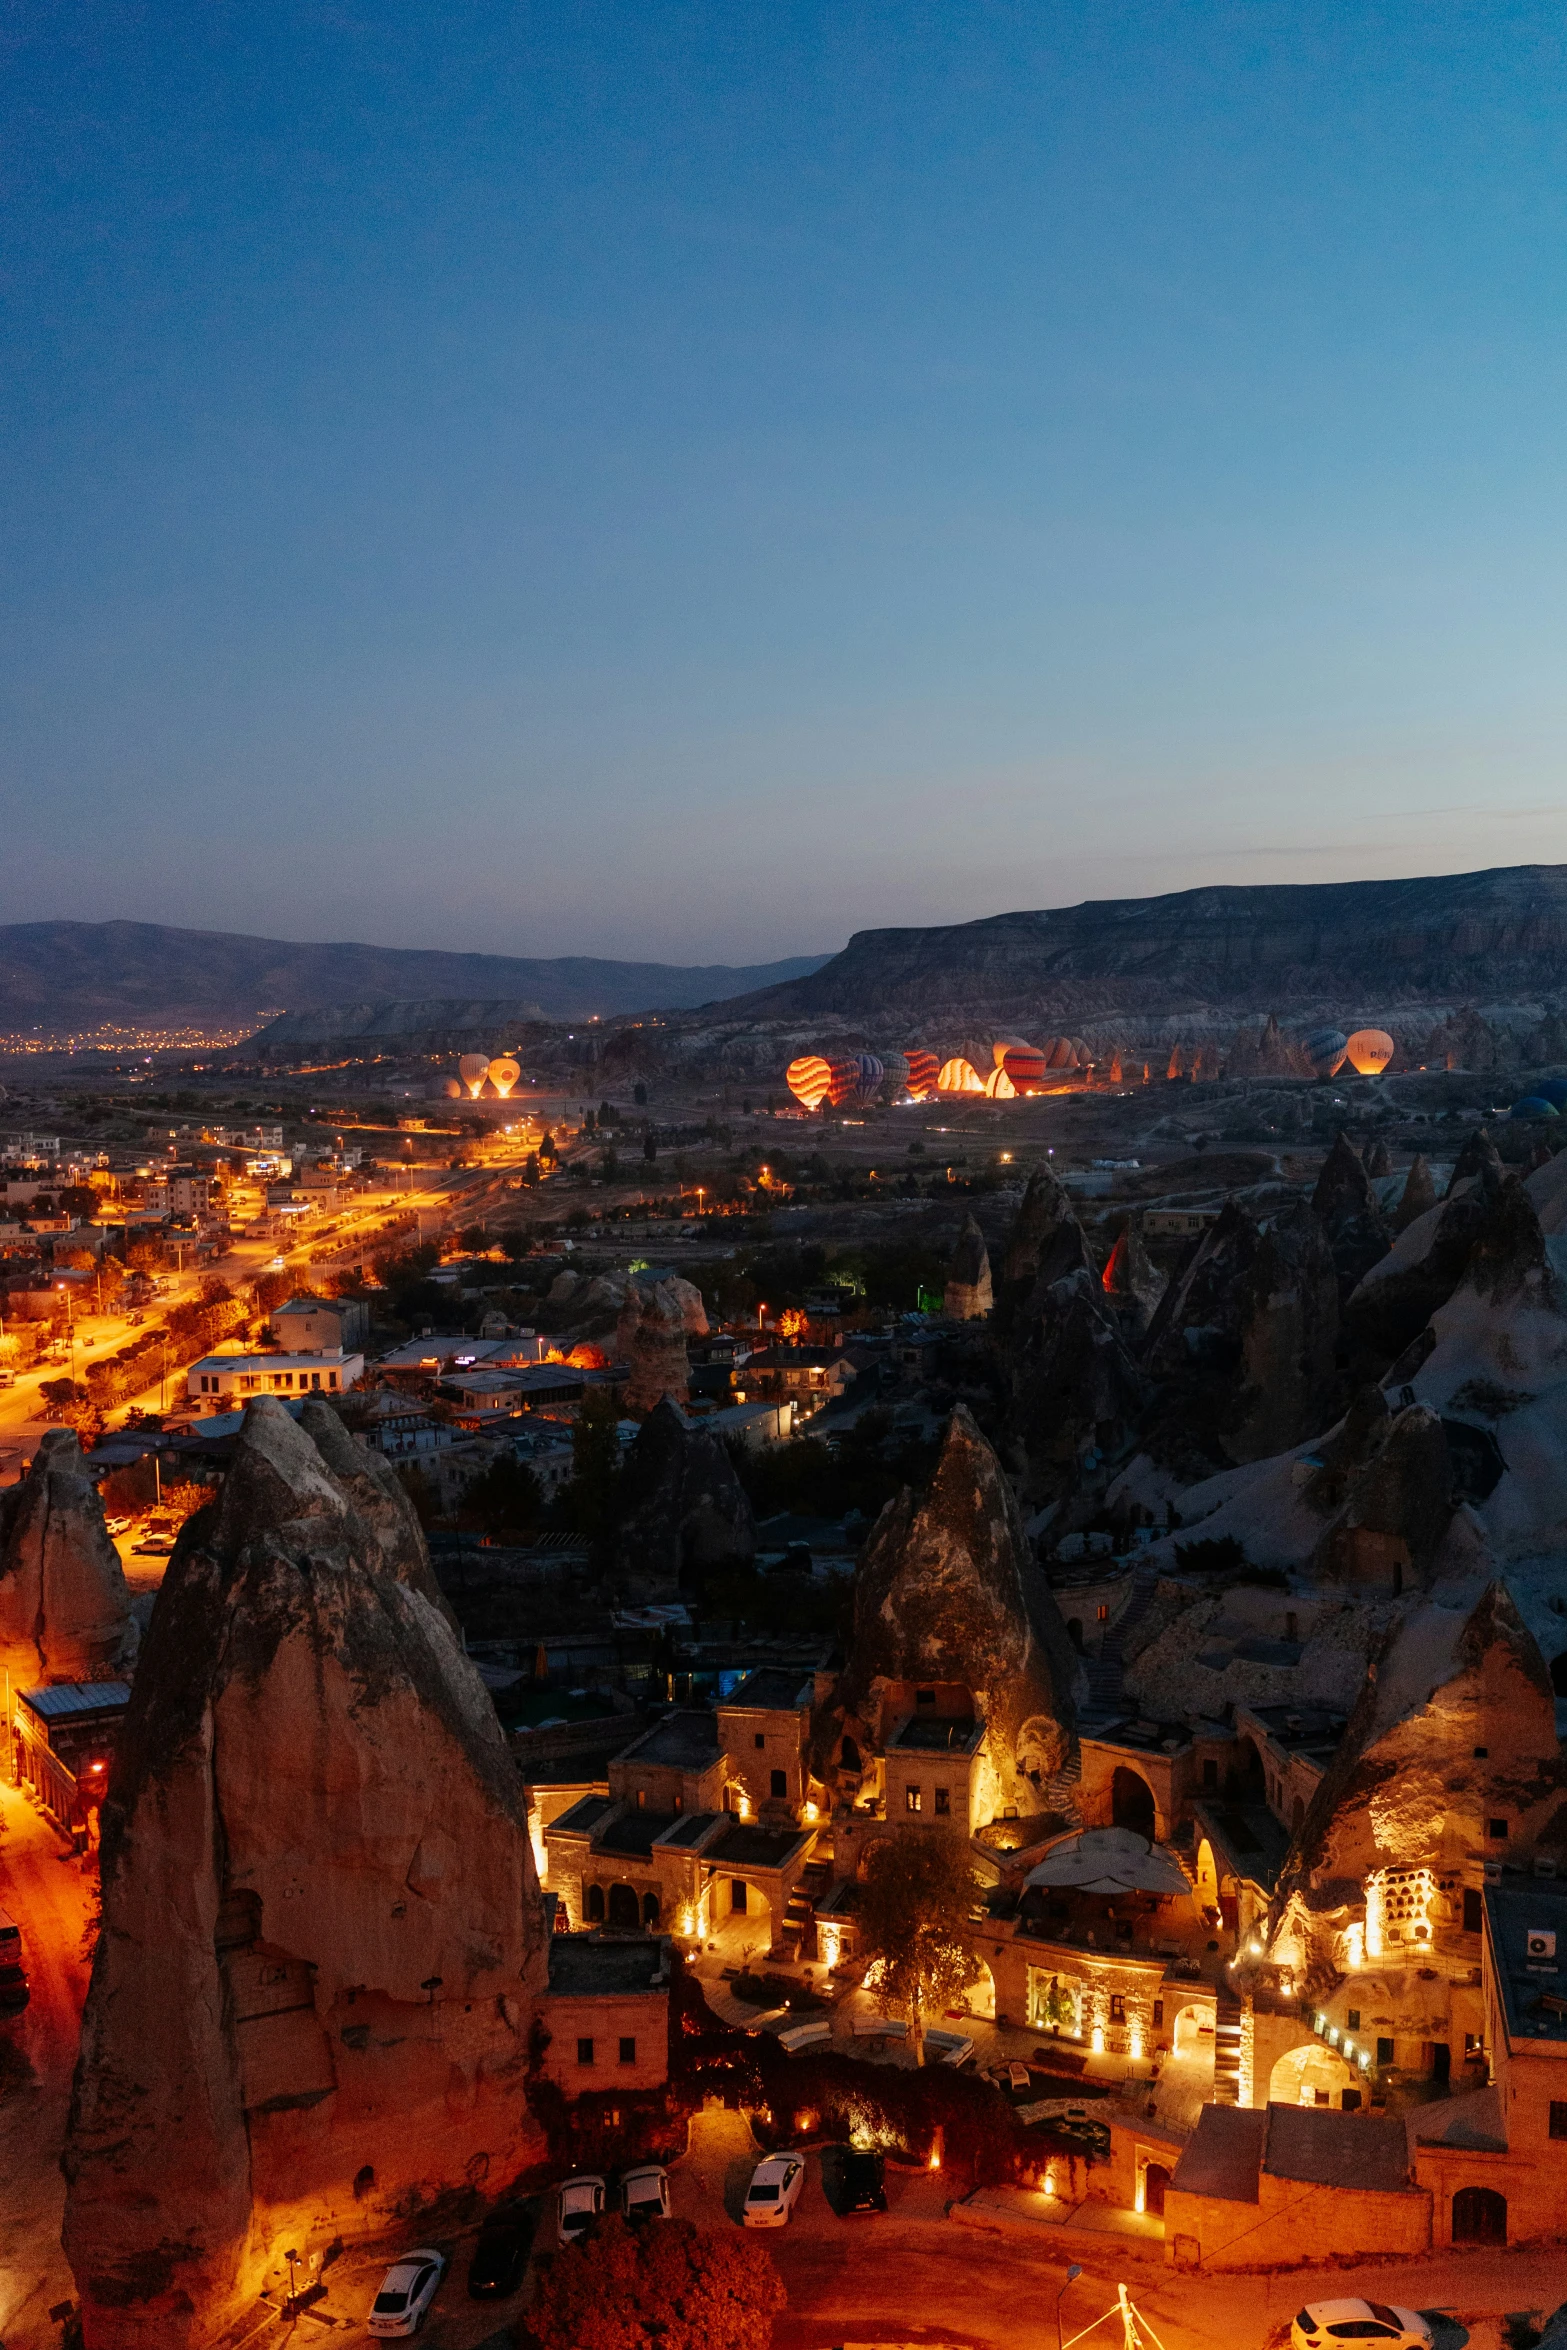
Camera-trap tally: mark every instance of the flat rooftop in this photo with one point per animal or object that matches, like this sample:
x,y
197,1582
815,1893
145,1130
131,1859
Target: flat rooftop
x,y
1247,1838
1224,2156
77,1701
634,1833
1526,1928
923,1735
776,1689
583,1967
743,1846
682,1742
1328,2149
583,1817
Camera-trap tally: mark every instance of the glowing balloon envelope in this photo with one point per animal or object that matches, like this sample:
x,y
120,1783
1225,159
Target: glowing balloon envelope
x,y
843,1081
1369,1051
999,1086
503,1076
1024,1065
959,1076
1325,1048
924,1072
871,1074
473,1069
809,1079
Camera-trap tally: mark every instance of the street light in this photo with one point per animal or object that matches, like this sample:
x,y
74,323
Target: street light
x,y
1071,2277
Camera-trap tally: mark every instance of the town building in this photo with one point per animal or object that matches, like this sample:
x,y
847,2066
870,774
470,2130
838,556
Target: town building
x,y
233,1379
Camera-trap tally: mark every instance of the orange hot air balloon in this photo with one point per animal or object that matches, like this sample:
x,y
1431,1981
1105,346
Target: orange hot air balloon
x,y
1024,1065
924,1070
999,1086
503,1076
1369,1051
959,1076
809,1079
843,1081
473,1069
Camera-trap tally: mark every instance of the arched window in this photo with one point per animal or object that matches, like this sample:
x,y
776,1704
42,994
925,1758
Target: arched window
x,y
849,1755
595,1905
1131,1803
1479,2216
624,1914
650,1909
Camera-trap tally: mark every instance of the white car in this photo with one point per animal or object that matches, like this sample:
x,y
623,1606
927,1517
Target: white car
x,y
407,2290
644,2192
774,2190
581,2203
1326,2325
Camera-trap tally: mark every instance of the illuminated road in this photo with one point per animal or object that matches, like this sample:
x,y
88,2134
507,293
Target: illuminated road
x,y
46,1893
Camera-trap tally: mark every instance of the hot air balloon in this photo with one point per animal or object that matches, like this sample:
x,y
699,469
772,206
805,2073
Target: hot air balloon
x,y
999,1085
503,1076
1535,1105
1369,1051
959,1076
924,1070
1059,1053
895,1071
843,1081
1024,1065
1325,1048
872,1071
809,1079
473,1069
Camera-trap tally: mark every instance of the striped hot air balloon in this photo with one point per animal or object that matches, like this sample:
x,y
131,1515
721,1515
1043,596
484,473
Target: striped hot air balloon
x,y
843,1081
809,1079
959,1075
999,1085
1059,1054
924,1071
1024,1065
1325,1048
872,1071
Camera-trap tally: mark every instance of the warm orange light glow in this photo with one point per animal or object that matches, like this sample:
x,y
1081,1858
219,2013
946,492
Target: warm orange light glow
x,y
792,1323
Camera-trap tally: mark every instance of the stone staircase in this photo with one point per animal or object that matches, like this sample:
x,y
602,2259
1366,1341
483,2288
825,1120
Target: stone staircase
x,y
1061,1791
1227,2051
1106,1671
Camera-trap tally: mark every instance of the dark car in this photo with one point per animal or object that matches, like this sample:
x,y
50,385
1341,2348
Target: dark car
x,y
862,2188
14,1988
500,2256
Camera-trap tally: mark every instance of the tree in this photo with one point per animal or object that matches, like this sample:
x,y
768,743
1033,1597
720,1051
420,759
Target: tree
x,y
915,1924
671,2286
503,1499
588,1502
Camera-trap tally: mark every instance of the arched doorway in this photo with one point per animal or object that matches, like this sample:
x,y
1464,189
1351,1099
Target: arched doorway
x,y
624,1914
595,1905
1313,2075
650,1909
1132,1803
1207,1876
1155,2180
1074,1632
1479,2216
1193,2033
979,1997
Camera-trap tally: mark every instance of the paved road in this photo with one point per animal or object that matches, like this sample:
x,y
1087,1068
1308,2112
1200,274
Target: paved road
x,y
49,1897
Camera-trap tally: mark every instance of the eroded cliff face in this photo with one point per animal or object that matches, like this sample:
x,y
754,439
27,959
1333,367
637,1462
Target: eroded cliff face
x,y
65,1612
683,1511
651,1336
310,2004
948,1596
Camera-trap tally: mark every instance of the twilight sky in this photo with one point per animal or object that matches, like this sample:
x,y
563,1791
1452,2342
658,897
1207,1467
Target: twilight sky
x,y
693,480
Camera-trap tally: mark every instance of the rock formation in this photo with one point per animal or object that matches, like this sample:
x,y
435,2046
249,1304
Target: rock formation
x,y
1348,1209
1398,1504
655,1322
1044,1220
1242,1344
1455,1727
1477,1163
381,1498
1398,1295
1075,1391
968,1294
1418,1194
682,1510
1132,1283
310,2005
65,1612
947,1596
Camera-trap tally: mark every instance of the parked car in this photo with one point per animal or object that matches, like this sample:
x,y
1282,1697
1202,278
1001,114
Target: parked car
x,y
157,1546
14,1989
119,1525
1324,2325
407,2290
581,2203
774,2190
644,2192
863,2182
500,2256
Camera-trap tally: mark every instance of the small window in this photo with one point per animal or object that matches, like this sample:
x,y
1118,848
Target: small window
x,y
1117,2008
1102,1612
943,1803
779,1782
642,1799
924,1696
760,1740
1158,2015
1352,2019
911,1798
1482,1753
1473,1909
584,2052
1384,2052
628,2051
1497,1831
1350,2101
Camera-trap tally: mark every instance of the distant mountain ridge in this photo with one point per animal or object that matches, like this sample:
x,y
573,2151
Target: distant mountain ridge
x,y
1452,938
63,977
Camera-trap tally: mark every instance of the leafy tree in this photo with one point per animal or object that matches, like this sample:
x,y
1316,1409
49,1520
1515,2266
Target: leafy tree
x,y
915,1924
505,1498
672,2286
587,1502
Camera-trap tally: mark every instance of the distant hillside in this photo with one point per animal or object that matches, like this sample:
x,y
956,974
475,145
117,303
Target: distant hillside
x,y
58,977
1465,937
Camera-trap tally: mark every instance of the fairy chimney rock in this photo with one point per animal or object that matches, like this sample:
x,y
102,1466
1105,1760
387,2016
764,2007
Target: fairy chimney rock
x,y
310,2005
381,1498
65,1611
968,1296
948,1598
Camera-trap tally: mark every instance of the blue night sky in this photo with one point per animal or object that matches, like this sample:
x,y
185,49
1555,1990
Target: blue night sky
x,y
695,480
